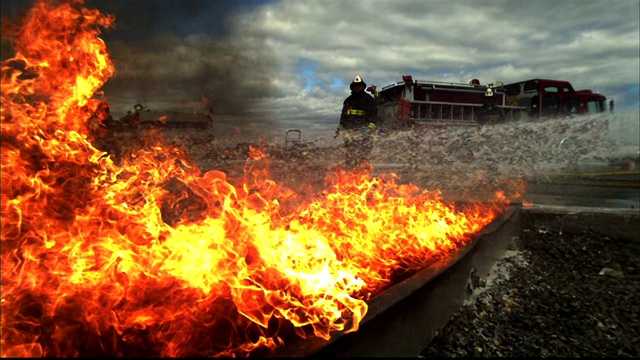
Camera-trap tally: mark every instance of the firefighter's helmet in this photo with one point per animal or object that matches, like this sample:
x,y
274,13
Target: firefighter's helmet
x,y
357,81
488,92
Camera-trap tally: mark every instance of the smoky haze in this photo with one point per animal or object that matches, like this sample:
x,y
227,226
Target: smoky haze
x,y
194,72
162,64
176,55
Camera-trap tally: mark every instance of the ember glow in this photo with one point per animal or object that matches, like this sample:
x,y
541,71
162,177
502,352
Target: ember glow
x,y
152,257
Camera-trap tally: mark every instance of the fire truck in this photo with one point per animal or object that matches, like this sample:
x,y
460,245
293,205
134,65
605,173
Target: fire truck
x,y
417,104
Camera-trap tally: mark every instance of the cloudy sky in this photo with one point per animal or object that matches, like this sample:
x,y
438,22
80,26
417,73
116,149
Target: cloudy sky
x,y
266,66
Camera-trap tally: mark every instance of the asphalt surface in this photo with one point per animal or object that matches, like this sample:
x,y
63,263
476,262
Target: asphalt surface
x,y
606,189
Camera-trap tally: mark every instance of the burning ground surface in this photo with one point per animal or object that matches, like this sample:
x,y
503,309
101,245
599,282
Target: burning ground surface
x,y
145,253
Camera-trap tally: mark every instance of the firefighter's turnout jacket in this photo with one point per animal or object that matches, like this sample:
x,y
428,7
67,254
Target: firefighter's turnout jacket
x,y
358,111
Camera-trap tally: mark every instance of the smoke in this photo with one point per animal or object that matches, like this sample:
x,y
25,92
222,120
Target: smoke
x,y
212,70
166,70
181,56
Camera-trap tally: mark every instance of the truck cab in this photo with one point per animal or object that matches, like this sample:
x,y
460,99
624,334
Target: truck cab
x,y
553,98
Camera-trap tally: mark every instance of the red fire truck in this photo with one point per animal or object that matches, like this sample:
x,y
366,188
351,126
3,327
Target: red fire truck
x,y
416,103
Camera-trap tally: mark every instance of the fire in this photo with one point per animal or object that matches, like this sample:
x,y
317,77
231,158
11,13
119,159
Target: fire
x,y
153,257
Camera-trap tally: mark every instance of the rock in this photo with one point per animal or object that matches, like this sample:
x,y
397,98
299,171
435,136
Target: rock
x,y
610,272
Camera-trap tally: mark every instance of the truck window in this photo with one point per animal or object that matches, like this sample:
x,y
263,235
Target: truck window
x,y
550,105
551,89
570,105
531,86
512,89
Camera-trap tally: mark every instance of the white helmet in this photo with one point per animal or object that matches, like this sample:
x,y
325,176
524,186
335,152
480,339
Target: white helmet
x,y
488,92
357,81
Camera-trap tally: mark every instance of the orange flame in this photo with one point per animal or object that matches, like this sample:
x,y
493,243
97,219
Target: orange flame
x,y
152,257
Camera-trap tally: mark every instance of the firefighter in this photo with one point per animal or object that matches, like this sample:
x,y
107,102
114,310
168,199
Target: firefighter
x,y
358,122
489,113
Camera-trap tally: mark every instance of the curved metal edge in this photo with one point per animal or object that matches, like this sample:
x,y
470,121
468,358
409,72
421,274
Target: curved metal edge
x,y
395,294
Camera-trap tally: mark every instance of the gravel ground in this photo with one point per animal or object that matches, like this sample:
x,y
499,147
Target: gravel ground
x,y
557,294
